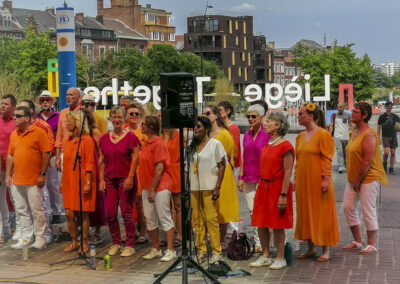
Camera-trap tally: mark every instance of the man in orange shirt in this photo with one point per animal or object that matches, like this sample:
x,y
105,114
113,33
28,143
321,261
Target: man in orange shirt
x,y
74,101
28,156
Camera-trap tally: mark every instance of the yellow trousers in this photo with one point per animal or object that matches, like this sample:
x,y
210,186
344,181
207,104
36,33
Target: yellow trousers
x,y
204,211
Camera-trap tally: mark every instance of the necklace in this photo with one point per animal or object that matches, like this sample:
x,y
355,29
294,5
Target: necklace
x,y
272,142
115,136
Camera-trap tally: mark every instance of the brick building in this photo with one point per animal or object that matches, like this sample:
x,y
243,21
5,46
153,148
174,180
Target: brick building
x,y
155,24
230,42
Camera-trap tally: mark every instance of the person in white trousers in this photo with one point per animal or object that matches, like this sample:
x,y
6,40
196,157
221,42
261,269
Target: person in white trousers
x,y
28,158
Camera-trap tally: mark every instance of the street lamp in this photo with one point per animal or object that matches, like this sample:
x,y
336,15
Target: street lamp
x,y
201,36
201,47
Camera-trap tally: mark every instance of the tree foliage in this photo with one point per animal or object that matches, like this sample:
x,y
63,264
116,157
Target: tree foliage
x,y
343,67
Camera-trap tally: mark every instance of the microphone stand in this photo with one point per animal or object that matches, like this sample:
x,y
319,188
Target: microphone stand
x,y
78,160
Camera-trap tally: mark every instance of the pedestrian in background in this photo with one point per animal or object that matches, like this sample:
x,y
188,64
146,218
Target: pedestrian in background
x,y
228,202
70,178
206,172
88,102
135,113
254,141
365,174
7,126
156,194
273,203
27,161
388,136
118,162
315,197
340,130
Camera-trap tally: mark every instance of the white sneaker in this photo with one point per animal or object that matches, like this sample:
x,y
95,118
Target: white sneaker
x,y
153,254
201,258
114,250
40,243
128,251
215,258
169,255
48,238
278,264
261,261
340,170
21,243
17,235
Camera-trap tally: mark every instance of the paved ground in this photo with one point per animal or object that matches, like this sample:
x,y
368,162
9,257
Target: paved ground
x,y
344,267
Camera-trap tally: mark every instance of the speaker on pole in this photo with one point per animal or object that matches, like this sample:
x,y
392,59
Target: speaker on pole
x,y
177,100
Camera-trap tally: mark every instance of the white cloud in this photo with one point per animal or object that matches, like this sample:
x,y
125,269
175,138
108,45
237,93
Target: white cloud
x,y
245,7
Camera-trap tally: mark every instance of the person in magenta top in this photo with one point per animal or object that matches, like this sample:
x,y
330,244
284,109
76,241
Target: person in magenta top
x,y
118,162
254,141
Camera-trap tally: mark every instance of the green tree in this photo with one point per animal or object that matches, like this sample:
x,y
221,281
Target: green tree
x,y
28,58
381,80
344,68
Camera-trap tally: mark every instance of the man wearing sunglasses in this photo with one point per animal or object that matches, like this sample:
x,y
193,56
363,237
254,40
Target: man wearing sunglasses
x,y
90,104
47,111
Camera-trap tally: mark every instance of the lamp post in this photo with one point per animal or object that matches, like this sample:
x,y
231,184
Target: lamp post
x,y
201,36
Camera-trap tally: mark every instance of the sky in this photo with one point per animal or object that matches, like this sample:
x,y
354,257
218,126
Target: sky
x,y
372,26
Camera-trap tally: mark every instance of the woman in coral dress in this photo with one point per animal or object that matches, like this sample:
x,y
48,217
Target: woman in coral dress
x,y
228,202
316,211
69,183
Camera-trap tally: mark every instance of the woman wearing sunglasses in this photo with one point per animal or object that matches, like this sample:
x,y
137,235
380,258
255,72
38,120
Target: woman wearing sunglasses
x,y
134,118
254,141
228,203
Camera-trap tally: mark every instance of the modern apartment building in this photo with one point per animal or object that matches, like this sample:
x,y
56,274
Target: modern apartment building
x,y
154,24
230,42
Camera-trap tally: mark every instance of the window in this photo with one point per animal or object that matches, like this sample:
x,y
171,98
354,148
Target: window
x,y
112,48
190,40
87,50
102,50
171,37
169,20
162,36
154,35
141,49
85,32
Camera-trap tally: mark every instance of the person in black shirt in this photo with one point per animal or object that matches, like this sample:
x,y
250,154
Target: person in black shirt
x,y
388,138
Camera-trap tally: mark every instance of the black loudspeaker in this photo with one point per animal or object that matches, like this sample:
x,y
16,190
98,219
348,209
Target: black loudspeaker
x,y
177,100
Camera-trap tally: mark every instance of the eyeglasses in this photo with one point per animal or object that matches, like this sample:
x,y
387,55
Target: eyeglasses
x,y
18,115
90,104
134,114
197,126
207,113
253,116
45,100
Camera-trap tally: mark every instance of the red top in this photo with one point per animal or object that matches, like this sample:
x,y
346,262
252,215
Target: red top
x,y
154,151
271,165
118,156
6,128
234,129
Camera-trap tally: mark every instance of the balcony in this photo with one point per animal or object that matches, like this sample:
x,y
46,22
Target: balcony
x,y
197,29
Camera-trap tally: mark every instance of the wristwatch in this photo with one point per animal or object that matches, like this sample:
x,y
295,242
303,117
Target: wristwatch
x,y
283,194
42,173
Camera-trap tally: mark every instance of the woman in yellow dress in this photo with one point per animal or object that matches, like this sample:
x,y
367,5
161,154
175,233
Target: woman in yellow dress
x,y
228,202
316,209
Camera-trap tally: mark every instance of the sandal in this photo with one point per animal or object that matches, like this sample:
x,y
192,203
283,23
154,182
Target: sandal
x,y
71,247
177,242
85,247
223,246
306,255
142,239
369,250
353,246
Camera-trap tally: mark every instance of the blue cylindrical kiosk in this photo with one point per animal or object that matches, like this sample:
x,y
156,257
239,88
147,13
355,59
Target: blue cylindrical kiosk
x,y
66,52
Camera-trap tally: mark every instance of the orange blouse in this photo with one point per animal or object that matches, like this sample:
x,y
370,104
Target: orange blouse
x,y
174,167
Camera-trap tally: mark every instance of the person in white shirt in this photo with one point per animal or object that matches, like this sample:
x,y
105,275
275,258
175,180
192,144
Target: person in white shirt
x,y
206,172
340,128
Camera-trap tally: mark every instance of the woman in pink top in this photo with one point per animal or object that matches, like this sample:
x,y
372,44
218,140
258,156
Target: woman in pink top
x,y
118,161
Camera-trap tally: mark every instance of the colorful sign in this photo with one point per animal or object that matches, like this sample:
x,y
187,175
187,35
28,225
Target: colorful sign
x,y
66,52
52,76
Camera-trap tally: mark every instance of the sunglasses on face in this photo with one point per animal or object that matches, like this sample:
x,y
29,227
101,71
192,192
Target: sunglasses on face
x,y
45,100
197,126
18,115
134,114
253,116
90,104
207,113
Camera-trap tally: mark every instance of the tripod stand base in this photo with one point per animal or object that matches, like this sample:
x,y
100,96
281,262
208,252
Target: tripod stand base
x,y
186,260
81,256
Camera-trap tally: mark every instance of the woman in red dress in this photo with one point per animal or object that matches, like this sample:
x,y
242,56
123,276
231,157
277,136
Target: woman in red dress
x,y
273,206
